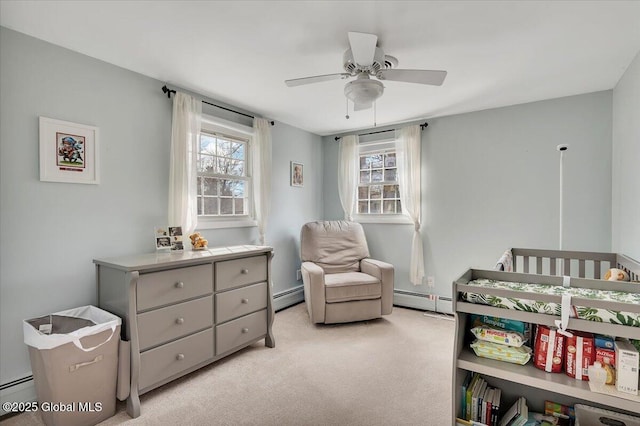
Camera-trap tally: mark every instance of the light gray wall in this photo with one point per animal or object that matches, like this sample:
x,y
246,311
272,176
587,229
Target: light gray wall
x,y
490,182
626,156
50,232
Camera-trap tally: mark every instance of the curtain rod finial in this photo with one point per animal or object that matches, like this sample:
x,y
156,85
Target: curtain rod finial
x,y
166,90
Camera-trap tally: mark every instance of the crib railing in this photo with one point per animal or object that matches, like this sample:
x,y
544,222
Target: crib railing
x,y
579,264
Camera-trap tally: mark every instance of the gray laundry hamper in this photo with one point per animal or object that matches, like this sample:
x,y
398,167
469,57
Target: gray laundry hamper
x,y
74,359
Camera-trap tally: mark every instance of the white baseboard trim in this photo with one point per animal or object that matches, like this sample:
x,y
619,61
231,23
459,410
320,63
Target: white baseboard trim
x,y
444,305
287,298
409,299
22,390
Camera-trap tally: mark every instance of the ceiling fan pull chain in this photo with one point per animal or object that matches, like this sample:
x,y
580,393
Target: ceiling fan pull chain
x,y
347,107
375,123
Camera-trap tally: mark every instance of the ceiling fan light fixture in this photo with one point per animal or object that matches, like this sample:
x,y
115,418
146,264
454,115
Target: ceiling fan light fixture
x,y
363,90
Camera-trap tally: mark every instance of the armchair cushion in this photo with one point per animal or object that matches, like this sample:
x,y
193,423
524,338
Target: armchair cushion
x,y
336,246
351,286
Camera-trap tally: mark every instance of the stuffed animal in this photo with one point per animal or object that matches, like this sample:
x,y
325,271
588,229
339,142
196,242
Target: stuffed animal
x,y
615,274
197,241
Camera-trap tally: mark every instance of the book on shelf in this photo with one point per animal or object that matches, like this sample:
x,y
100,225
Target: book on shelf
x,y
495,406
486,405
517,415
476,399
465,385
472,384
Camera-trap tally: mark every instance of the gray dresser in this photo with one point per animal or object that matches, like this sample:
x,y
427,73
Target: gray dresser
x,y
182,311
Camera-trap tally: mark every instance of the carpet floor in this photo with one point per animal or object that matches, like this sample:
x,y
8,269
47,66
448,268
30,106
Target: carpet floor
x,y
391,371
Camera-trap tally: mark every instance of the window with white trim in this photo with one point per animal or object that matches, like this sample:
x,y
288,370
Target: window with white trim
x,y
223,180
378,190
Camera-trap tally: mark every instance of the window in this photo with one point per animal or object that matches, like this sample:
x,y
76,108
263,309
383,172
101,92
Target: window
x,y
223,181
378,190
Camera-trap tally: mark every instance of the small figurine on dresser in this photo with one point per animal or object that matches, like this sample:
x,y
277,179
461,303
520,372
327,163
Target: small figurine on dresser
x,y
198,242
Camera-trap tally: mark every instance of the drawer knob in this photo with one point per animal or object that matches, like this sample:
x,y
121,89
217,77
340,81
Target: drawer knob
x,y
180,320
245,330
179,357
245,271
180,284
245,301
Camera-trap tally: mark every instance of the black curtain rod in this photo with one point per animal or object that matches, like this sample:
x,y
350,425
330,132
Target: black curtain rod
x,y
422,127
168,91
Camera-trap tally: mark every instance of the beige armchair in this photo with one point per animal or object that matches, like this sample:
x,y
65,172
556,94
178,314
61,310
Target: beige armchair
x,y
341,283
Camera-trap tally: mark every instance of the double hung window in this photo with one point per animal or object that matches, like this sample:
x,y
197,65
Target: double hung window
x,y
378,190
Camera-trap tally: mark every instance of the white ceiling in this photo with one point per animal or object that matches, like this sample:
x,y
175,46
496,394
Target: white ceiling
x,y
497,53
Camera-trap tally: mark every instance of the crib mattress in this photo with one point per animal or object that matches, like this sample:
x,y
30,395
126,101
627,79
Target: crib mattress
x,y
527,304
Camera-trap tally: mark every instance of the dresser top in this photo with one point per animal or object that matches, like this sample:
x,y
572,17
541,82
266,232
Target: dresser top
x,y
147,261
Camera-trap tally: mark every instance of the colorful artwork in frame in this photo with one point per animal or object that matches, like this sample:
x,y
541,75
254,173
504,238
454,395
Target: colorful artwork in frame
x,y
68,152
297,174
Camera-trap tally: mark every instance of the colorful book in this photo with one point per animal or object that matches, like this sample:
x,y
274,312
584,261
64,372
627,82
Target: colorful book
x,y
470,388
465,386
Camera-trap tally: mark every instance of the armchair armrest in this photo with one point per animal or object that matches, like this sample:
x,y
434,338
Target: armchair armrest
x,y
314,294
384,272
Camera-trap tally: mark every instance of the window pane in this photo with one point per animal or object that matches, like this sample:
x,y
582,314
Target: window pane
x,y
226,187
376,160
365,177
375,191
390,160
390,175
199,204
389,206
363,192
363,207
398,206
376,175
210,205
226,205
239,204
364,164
391,191
374,207
237,151
207,144
209,186
224,148
205,163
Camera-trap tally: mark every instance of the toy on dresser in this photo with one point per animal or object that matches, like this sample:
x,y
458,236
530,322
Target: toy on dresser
x,y
198,242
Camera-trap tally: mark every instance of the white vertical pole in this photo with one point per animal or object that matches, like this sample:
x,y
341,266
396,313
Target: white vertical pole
x,y
562,148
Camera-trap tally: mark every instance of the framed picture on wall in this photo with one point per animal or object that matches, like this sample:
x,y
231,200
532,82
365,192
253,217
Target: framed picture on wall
x,y
297,174
68,152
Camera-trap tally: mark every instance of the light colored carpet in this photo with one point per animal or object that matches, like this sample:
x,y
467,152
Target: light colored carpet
x,y
391,371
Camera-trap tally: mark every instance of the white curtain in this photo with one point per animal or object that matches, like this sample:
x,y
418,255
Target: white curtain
x,y
261,166
348,174
408,158
185,130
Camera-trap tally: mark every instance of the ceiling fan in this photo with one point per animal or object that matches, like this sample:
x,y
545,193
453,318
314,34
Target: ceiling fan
x,y
365,60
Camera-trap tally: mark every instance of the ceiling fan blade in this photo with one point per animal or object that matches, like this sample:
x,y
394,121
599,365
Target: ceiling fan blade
x,y
413,76
363,47
315,79
362,107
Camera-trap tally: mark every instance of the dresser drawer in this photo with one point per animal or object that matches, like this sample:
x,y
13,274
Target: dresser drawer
x,y
240,331
239,272
165,324
241,301
168,360
173,285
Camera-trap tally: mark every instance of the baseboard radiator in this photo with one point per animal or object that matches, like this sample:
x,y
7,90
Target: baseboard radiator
x,y
425,302
288,297
20,390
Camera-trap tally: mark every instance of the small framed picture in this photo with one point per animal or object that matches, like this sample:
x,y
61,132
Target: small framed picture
x,y
68,152
297,174
169,238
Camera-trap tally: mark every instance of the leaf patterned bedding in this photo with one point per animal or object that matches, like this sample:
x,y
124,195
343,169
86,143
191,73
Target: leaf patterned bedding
x,y
582,312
